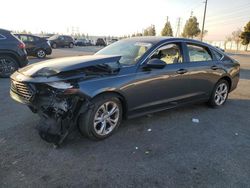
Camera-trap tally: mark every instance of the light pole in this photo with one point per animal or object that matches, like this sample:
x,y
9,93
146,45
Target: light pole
x,y
204,19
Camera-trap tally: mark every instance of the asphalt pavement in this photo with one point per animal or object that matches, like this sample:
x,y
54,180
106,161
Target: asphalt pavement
x,y
165,149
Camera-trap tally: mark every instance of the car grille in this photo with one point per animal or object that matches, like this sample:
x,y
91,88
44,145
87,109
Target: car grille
x,y
22,89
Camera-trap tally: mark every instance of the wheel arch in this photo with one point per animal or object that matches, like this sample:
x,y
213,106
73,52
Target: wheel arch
x,y
11,54
120,97
228,79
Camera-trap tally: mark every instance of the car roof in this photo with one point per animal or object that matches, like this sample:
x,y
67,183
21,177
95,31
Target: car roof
x,y
4,31
160,39
27,35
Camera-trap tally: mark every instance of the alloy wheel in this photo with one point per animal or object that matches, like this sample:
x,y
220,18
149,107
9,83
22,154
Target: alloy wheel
x,y
41,54
221,94
7,66
106,118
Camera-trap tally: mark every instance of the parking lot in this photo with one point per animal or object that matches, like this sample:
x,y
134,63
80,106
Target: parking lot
x,y
165,149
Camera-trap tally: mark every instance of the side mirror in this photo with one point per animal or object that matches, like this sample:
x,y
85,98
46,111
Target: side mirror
x,y
155,64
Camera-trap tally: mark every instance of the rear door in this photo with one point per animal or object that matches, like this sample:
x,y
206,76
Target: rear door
x,y
61,41
203,70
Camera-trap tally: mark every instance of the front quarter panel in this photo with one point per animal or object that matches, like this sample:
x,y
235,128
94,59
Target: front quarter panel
x,y
114,83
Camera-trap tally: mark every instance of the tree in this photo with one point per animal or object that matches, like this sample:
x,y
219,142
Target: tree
x,y
139,34
145,32
236,37
191,28
245,35
228,39
167,30
204,34
150,31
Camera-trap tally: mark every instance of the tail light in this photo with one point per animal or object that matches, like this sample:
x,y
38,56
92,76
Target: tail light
x,y
21,45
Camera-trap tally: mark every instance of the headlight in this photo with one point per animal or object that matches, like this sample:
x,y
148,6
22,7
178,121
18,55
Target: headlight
x,y
46,72
60,85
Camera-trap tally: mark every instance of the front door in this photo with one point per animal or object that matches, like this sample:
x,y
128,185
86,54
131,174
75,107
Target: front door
x,y
166,87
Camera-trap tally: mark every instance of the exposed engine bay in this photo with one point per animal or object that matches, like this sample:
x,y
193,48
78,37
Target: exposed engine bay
x,y
55,96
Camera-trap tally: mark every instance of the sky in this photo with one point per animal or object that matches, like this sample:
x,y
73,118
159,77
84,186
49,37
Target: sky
x,y
121,17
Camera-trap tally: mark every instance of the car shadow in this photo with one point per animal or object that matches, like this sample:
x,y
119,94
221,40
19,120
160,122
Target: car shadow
x,y
136,130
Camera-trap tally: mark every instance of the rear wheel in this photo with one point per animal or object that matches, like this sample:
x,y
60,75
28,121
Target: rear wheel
x,y
8,65
41,53
103,119
54,45
71,45
219,94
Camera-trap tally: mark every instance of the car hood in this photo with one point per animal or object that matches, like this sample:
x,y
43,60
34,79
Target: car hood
x,y
55,69
65,64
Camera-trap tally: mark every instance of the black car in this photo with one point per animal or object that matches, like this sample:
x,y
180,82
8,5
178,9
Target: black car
x,y
12,53
128,78
100,42
35,46
61,41
81,42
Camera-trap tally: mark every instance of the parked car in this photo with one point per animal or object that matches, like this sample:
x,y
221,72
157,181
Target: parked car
x,y
100,42
129,78
112,41
81,42
35,46
12,53
61,41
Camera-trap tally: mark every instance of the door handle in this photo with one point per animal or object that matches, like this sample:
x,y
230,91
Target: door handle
x,y
181,71
214,67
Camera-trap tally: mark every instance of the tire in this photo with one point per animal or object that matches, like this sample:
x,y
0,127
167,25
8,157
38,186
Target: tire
x,y
91,123
41,54
54,45
71,45
8,65
220,94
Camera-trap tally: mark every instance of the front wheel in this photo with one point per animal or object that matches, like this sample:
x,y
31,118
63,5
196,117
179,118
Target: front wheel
x,y
41,54
220,94
8,65
102,119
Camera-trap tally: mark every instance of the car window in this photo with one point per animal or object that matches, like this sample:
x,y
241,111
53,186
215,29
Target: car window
x,y
53,37
170,54
198,53
61,37
2,37
23,38
130,51
218,56
31,39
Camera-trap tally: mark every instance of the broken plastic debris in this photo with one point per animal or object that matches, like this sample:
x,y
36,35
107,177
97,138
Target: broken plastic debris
x,y
136,147
194,120
236,134
149,130
146,152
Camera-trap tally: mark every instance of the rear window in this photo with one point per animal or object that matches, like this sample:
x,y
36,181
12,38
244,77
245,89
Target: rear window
x,y
218,56
198,53
53,37
2,37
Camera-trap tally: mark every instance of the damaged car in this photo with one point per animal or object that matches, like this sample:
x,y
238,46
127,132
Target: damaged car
x,y
126,79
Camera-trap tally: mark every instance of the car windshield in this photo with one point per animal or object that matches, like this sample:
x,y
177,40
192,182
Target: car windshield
x,y
130,51
53,37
